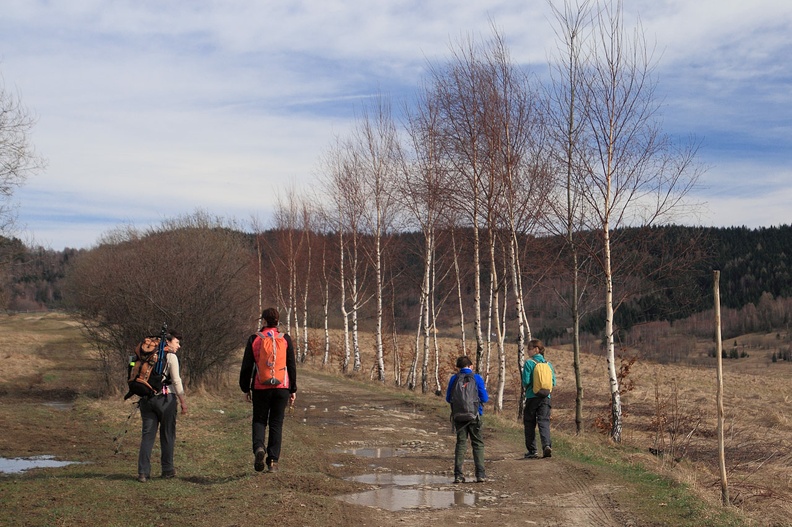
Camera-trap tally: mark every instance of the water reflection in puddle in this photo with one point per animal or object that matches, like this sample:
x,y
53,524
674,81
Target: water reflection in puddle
x,y
20,464
372,452
402,480
397,499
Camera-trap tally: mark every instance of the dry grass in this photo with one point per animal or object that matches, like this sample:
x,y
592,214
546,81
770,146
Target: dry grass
x,y
757,406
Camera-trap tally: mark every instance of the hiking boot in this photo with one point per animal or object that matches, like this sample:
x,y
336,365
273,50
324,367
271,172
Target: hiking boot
x,y
258,464
548,452
481,479
169,475
459,479
531,455
142,478
272,467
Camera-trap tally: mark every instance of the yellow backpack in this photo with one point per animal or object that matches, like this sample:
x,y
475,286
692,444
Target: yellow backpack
x,y
542,379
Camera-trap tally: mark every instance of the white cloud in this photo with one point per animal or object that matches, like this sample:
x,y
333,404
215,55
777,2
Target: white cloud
x,y
220,102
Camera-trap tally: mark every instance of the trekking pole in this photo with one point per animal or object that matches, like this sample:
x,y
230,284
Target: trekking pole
x,y
117,439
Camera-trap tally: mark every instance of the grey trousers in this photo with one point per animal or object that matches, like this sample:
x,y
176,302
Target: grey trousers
x,y
157,412
537,412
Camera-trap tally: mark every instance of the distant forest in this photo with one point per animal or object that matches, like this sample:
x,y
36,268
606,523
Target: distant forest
x,y
754,265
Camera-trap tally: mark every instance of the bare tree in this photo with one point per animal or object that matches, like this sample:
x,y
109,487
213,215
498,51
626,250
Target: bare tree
x,y
323,237
349,207
195,273
572,24
421,192
379,155
518,187
18,158
491,144
459,95
284,255
632,174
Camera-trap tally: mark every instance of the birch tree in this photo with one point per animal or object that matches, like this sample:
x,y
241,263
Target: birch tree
x,y
458,91
632,174
18,158
287,259
564,125
349,204
488,127
422,192
378,153
518,186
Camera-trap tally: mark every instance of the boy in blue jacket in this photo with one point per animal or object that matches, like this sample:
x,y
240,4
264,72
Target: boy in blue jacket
x,y
471,429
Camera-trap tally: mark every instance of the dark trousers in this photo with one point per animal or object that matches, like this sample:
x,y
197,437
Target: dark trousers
x,y
269,408
537,412
157,412
473,431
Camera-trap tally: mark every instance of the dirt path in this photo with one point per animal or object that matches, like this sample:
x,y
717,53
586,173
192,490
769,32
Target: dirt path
x,y
401,454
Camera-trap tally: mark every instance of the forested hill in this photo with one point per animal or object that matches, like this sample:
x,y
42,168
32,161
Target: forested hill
x,y
751,261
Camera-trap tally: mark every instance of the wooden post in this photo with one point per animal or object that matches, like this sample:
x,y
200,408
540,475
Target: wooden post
x,y
719,394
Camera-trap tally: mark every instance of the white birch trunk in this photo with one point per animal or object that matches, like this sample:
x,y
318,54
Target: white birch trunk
x,y
477,291
380,350
426,317
459,294
344,313
616,411
433,327
522,320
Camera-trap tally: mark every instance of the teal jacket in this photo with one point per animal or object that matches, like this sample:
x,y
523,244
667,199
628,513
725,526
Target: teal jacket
x,y
527,374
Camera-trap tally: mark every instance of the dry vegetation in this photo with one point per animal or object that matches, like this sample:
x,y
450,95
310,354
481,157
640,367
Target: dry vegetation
x,y
669,411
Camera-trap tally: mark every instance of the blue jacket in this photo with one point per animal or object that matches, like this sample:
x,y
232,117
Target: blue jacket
x,y
527,374
482,389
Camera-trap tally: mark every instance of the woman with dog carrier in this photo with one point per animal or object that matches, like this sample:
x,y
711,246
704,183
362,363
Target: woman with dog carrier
x,y
269,379
159,411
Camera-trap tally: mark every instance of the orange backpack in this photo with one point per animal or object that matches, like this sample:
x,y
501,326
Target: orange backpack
x,y
269,351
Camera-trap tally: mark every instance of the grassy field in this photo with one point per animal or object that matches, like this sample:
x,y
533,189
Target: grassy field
x,y
46,360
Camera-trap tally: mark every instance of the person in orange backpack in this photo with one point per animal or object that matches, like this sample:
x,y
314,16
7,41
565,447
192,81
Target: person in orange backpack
x,y
537,405
269,379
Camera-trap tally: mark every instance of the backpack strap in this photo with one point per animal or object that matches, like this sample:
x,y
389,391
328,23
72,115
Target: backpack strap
x,y
530,381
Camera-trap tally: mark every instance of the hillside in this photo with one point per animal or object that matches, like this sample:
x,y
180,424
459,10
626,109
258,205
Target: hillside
x,y
753,263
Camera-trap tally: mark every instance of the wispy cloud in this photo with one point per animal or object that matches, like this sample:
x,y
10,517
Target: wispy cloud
x,y
219,104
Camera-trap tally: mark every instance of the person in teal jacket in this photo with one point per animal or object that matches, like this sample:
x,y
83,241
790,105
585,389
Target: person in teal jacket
x,y
537,408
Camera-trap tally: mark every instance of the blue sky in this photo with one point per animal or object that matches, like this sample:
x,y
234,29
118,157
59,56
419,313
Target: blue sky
x,y
149,109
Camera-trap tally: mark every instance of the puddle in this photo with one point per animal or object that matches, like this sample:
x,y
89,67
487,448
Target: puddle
x,y
394,497
398,499
400,480
20,464
372,452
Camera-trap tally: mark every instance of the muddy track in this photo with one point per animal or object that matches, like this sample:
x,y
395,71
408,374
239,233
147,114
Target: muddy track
x,y
400,456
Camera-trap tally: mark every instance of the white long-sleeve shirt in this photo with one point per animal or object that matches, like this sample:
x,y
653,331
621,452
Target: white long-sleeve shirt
x,y
171,370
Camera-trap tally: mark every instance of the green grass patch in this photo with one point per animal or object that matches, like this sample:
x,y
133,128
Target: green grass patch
x,y
653,495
